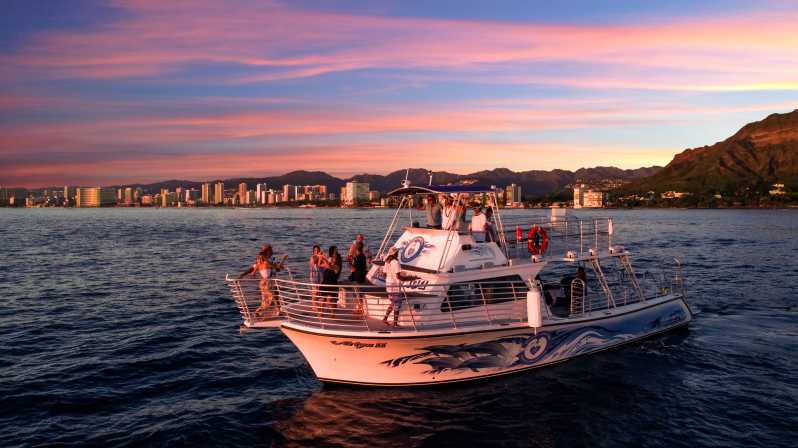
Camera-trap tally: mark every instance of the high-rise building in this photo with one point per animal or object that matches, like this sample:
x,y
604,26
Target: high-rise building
x,y
164,197
260,193
578,192
354,193
94,197
242,193
587,198
513,195
218,193
206,193
289,193
128,198
69,194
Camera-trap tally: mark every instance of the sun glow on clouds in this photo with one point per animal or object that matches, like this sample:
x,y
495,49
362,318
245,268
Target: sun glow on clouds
x,y
256,88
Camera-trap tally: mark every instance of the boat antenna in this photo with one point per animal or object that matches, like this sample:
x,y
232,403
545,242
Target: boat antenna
x,y
406,182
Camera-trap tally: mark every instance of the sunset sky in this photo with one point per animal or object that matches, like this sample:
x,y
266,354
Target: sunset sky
x,y
115,92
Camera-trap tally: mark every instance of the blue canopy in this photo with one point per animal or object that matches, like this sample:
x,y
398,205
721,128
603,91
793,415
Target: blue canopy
x,y
435,189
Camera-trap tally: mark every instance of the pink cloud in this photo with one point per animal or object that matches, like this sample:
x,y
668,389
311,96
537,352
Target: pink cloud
x,y
281,43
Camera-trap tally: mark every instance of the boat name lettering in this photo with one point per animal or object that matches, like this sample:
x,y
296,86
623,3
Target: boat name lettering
x,y
359,345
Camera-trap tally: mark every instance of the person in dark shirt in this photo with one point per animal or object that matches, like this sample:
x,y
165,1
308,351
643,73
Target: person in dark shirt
x,y
358,276
359,263
332,270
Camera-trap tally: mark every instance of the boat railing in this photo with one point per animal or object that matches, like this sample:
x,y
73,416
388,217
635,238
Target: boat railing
x,y
575,236
579,301
291,297
354,307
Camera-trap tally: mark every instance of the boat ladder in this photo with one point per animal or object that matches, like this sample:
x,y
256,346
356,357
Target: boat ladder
x,y
603,282
632,277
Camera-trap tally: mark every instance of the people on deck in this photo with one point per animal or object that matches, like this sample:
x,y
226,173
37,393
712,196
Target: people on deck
x,y
332,270
359,265
490,227
316,271
393,284
449,214
479,225
462,209
358,275
359,239
264,266
433,209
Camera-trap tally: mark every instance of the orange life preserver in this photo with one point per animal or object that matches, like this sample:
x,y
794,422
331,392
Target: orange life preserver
x,y
537,240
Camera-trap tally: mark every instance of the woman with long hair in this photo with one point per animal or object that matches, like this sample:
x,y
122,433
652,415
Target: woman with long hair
x,y
316,271
264,266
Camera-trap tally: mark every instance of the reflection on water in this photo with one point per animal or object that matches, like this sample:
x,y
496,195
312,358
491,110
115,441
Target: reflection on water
x,y
533,408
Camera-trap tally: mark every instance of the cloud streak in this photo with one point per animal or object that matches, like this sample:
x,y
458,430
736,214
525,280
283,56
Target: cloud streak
x,y
241,85
275,42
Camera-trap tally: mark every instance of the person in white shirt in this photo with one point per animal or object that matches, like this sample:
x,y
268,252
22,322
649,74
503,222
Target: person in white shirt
x,y
450,215
479,224
393,284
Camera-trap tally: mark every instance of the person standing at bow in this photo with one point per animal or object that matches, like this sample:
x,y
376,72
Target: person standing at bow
x,y
265,266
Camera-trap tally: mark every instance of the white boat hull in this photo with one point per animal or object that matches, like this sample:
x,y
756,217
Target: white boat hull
x,y
425,358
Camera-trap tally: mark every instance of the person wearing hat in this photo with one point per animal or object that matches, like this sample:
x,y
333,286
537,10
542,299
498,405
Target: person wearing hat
x,y
479,225
393,284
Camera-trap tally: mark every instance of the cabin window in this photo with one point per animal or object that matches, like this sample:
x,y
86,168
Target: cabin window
x,y
484,292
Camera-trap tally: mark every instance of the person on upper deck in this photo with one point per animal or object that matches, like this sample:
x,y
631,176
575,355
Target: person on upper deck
x,y
462,209
479,225
491,233
449,214
433,209
393,284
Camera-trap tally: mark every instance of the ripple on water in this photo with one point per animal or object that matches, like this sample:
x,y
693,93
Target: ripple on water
x,y
117,330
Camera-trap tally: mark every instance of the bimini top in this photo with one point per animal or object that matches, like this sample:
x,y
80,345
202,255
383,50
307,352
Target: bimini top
x,y
434,189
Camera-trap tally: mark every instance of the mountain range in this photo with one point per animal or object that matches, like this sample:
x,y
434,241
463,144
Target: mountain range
x,y
758,155
535,183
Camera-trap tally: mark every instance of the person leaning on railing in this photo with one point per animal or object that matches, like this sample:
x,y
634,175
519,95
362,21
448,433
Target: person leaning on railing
x,y
332,271
393,284
265,266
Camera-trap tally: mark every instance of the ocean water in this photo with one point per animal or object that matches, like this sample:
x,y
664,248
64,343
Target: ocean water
x,y
116,329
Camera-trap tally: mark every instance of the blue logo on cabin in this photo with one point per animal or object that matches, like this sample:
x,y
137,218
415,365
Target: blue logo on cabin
x,y
412,249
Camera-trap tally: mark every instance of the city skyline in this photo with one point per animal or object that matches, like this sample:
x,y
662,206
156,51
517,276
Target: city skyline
x,y
113,93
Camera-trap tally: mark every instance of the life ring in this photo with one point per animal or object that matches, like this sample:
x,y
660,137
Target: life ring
x,y
537,240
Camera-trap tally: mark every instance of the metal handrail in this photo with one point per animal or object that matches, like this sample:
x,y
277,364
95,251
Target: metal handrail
x,y
449,305
578,296
435,306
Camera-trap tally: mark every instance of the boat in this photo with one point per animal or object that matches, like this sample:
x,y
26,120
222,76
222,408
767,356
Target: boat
x,y
521,296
